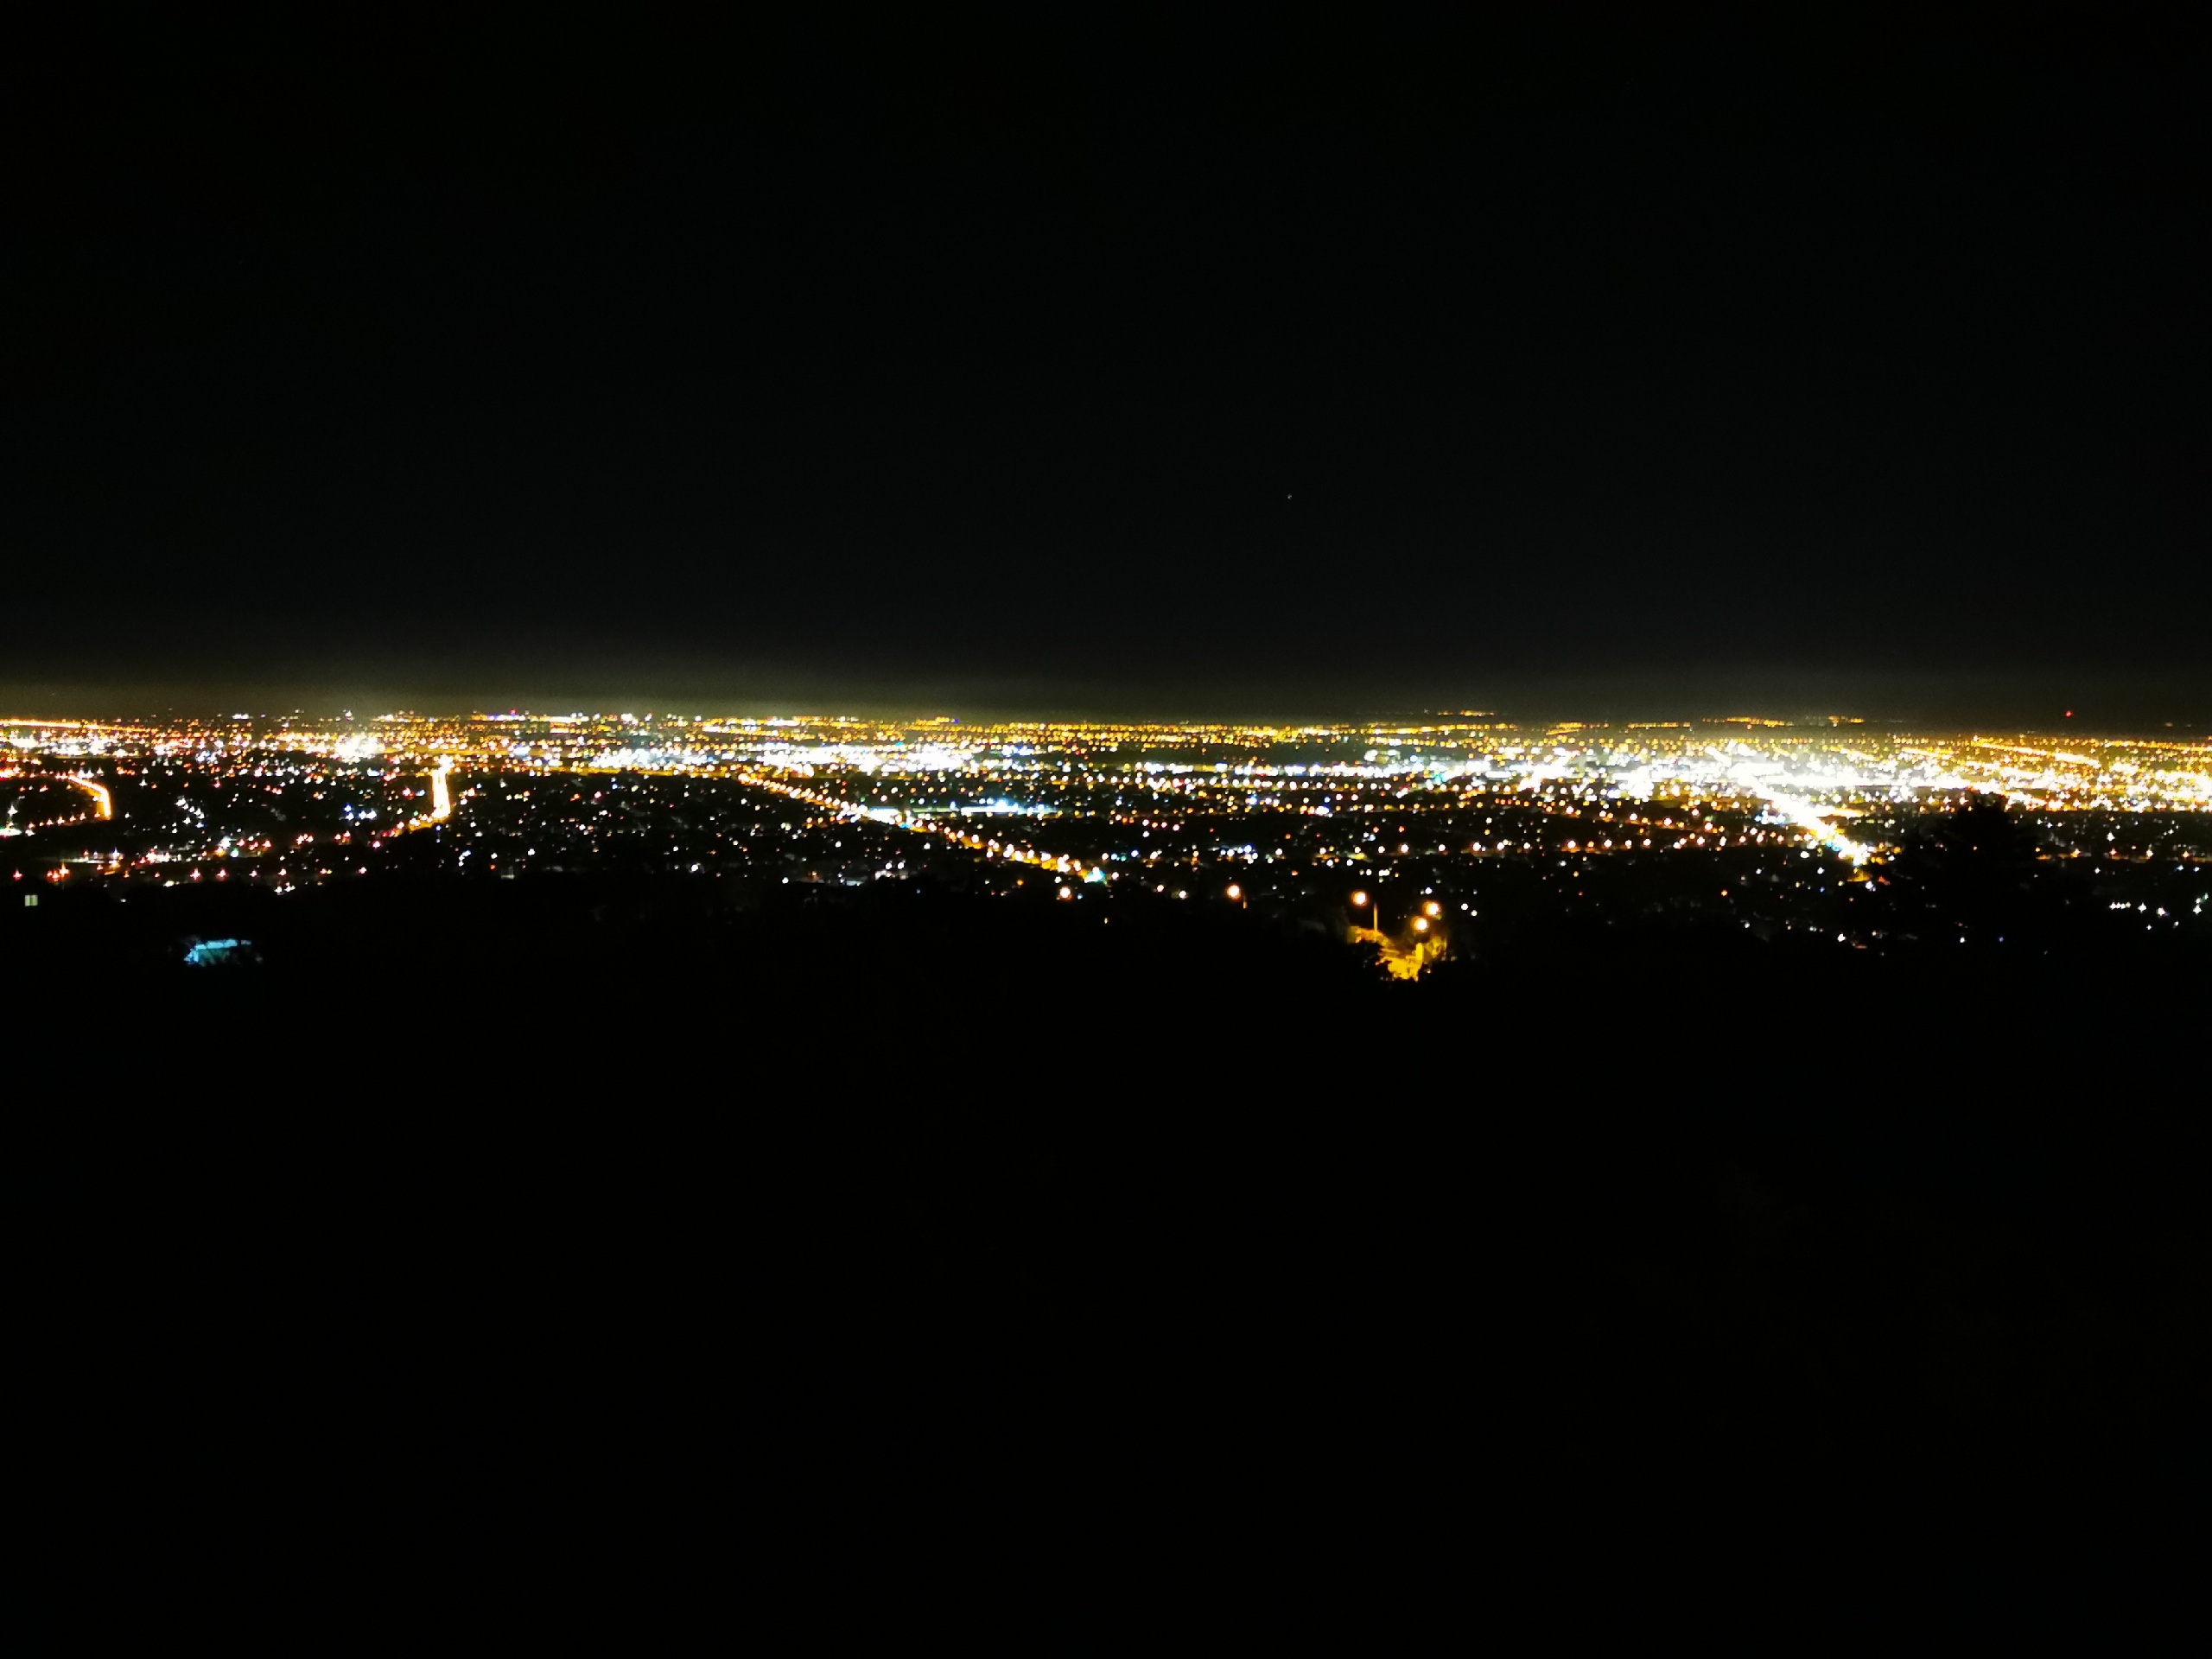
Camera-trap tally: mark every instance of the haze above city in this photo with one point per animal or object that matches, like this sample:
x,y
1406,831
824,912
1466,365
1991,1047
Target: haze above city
x,y
1246,366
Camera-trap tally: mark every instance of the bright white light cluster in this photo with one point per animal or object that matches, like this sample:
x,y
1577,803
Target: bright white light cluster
x,y
865,756
648,759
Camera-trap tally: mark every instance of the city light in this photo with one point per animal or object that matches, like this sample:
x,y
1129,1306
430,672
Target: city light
x,y
1766,828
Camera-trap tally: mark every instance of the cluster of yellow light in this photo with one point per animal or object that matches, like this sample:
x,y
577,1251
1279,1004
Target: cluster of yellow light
x,y
2130,775
440,802
103,802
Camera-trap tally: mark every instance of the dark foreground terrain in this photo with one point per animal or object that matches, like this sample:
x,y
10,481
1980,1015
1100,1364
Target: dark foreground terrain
x,y
556,1228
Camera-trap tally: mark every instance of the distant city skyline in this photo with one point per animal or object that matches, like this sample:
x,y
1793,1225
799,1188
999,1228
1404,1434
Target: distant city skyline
x,y
1922,700
1409,834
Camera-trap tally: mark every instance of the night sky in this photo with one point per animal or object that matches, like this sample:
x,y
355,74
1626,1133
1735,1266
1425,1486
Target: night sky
x,y
1265,359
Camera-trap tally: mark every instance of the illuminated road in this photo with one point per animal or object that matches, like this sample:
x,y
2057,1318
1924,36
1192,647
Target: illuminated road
x,y
923,825
104,801
441,800
1808,816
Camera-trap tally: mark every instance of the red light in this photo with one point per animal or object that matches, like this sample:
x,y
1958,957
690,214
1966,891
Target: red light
x,y
2070,714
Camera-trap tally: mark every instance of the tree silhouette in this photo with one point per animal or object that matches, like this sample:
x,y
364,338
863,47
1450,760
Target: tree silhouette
x,y
1974,873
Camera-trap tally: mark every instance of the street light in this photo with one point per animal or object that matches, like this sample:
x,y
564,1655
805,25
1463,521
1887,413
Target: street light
x,y
1359,902
1236,892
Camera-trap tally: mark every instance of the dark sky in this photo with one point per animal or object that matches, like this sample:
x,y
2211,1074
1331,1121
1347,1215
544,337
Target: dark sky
x,y
1297,358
